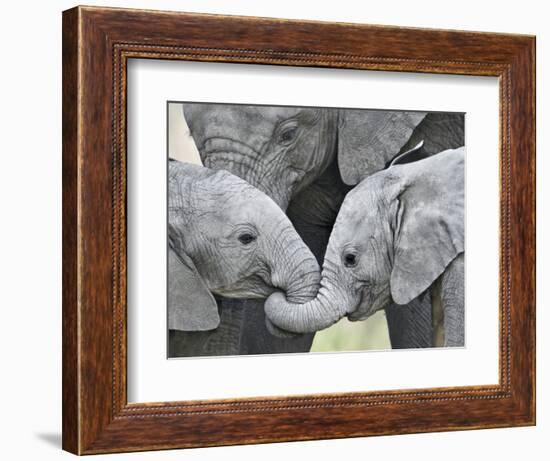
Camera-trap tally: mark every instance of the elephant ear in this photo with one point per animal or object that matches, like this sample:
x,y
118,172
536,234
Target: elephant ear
x,y
439,131
191,306
429,225
368,140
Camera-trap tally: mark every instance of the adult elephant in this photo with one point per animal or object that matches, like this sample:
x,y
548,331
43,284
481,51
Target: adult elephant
x,y
226,238
306,160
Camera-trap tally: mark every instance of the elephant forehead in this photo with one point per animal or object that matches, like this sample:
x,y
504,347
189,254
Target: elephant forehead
x,y
244,123
349,233
250,206
238,113
358,206
373,197
363,215
209,118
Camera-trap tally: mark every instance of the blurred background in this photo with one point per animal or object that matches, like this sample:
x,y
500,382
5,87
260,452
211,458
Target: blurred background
x,y
370,334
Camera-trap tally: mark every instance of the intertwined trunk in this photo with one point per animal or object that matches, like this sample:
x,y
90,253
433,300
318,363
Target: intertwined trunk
x,y
330,304
295,270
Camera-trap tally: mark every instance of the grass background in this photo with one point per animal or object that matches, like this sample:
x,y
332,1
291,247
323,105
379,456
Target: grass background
x,y
354,336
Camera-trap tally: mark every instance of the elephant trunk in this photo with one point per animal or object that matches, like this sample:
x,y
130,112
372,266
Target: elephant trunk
x,y
329,306
297,272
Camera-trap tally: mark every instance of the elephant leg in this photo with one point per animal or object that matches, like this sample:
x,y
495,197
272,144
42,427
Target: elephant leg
x,y
410,326
438,327
452,297
242,331
224,340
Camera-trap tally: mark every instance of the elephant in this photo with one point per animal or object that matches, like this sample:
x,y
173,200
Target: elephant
x,y
307,159
230,240
399,233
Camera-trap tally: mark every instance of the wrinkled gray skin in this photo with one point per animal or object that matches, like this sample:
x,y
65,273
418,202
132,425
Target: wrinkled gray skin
x,y
306,160
398,233
227,238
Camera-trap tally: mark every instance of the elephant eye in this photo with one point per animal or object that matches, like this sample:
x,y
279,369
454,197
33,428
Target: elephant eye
x,y
246,239
350,260
288,135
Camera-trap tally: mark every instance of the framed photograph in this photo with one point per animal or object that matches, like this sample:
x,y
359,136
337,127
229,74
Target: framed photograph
x,y
280,230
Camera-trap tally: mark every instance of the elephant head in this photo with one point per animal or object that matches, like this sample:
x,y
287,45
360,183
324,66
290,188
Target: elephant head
x,y
395,234
227,238
281,150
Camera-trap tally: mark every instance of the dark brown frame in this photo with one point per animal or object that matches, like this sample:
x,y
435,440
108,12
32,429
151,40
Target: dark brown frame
x,y
97,43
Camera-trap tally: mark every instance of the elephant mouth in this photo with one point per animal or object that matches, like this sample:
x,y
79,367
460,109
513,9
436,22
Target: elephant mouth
x,y
370,302
252,287
295,177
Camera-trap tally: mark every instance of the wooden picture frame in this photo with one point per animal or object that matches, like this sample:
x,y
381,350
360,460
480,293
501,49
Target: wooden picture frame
x,y
97,43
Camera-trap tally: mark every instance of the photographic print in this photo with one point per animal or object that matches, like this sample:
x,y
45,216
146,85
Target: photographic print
x,y
240,200
313,229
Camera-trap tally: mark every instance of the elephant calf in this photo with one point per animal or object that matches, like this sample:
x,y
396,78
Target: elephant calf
x,y
227,238
398,233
